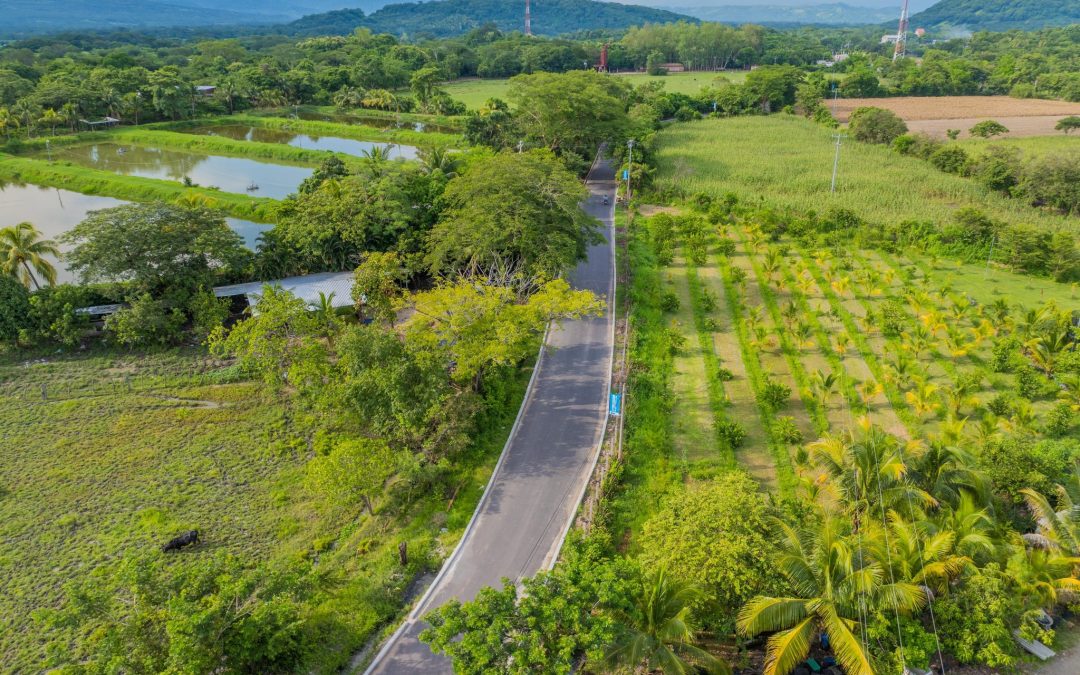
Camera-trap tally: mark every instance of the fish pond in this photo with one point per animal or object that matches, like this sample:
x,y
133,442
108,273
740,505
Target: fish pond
x,y
54,212
259,178
349,146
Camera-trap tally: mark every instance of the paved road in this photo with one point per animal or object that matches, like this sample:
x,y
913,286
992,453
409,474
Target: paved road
x,y
522,519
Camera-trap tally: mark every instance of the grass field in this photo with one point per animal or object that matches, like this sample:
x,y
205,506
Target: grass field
x,y
474,92
911,108
787,161
1033,146
108,454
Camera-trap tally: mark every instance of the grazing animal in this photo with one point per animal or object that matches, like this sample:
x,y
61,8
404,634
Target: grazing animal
x,y
186,539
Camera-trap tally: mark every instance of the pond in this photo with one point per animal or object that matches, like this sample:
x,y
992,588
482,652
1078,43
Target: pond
x,y
54,212
258,178
377,122
240,132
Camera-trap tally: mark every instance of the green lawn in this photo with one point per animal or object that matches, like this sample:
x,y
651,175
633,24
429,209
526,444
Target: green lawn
x,y
474,92
788,161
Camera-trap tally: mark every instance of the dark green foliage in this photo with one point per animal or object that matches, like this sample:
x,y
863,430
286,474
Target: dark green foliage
x,y
861,83
774,394
1068,124
669,301
950,159
1054,180
875,125
731,432
1019,462
894,317
999,15
52,313
214,613
145,323
1030,383
14,308
988,128
1060,420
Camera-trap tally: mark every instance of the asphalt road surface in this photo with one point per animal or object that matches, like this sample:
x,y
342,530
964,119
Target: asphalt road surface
x,y
524,515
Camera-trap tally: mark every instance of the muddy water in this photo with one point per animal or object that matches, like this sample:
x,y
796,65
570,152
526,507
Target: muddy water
x,y
258,178
348,146
54,212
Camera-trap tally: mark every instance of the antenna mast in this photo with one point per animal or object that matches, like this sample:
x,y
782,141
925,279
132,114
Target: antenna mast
x,y
901,34
528,19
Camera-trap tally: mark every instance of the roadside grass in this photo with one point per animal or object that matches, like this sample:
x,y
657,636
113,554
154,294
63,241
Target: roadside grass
x,y
108,454
790,159
134,188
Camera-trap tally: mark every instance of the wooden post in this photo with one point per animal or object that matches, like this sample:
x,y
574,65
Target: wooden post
x,y
403,553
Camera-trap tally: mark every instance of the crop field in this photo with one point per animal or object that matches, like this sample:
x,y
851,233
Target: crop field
x,y
474,92
789,161
936,115
1033,146
108,455
762,313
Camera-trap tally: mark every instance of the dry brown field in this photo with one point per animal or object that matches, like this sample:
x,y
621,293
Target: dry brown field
x,y
935,114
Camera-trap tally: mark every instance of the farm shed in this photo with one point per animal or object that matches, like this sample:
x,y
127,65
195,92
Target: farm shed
x,y
307,288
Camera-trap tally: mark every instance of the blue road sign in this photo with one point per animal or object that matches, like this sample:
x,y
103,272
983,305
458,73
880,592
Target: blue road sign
x,y
613,404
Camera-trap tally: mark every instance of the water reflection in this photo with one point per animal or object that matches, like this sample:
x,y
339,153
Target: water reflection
x,y
377,122
231,174
240,132
54,212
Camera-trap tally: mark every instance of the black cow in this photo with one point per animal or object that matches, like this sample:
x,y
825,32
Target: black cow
x,y
186,539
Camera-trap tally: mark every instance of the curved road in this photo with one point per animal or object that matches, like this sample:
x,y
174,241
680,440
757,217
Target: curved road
x,y
522,519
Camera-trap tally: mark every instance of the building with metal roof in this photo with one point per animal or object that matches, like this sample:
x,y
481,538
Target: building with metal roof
x,y
307,288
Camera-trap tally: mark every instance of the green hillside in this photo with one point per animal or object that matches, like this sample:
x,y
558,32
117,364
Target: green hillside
x,y
997,15
454,17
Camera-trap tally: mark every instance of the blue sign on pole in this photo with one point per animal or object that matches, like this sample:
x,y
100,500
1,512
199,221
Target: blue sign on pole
x,y
625,174
613,404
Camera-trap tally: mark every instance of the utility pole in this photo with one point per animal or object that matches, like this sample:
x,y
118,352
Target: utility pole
x,y
629,168
836,162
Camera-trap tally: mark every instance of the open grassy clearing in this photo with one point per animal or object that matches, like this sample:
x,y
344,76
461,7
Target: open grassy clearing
x,y
790,160
109,454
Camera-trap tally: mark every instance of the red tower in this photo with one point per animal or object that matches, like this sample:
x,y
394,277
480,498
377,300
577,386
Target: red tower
x,y
602,68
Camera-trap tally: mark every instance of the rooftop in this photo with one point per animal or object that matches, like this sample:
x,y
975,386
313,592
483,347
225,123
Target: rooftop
x,y
307,288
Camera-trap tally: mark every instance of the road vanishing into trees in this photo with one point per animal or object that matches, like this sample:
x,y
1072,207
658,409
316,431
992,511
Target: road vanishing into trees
x,y
529,505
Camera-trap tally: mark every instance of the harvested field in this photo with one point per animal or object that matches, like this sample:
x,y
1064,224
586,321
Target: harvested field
x,y
934,115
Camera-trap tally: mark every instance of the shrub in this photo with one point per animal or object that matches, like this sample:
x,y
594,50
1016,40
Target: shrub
x,y
1006,355
725,246
774,394
14,309
893,317
988,128
1001,405
732,432
52,313
708,300
875,125
1030,383
654,63
950,159
145,323
724,374
716,535
686,113
824,117
974,619
207,313
669,302
952,134
1068,124
784,428
1054,180
1059,421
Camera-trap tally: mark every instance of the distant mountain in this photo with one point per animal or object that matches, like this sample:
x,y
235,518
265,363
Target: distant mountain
x,y
832,14
999,15
21,17
453,17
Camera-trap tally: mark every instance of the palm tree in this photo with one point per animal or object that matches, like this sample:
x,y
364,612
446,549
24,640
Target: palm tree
x,y
439,159
914,554
1058,528
349,97
22,253
824,386
8,122
972,527
947,472
834,581
923,398
1046,576
657,634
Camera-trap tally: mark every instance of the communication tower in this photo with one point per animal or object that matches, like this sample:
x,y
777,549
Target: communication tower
x,y
528,19
900,51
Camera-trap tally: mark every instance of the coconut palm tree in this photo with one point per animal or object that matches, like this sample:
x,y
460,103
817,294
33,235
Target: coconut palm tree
x,y
947,471
657,633
22,254
834,582
971,525
923,398
917,554
1058,528
439,159
1045,576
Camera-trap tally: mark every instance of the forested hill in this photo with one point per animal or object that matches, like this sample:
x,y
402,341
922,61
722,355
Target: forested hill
x,y
454,17
998,15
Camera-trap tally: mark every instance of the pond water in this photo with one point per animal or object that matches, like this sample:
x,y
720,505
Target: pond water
x,y
240,132
54,212
229,174
377,122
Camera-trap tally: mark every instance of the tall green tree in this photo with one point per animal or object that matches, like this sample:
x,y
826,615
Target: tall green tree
x,y
513,208
23,252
